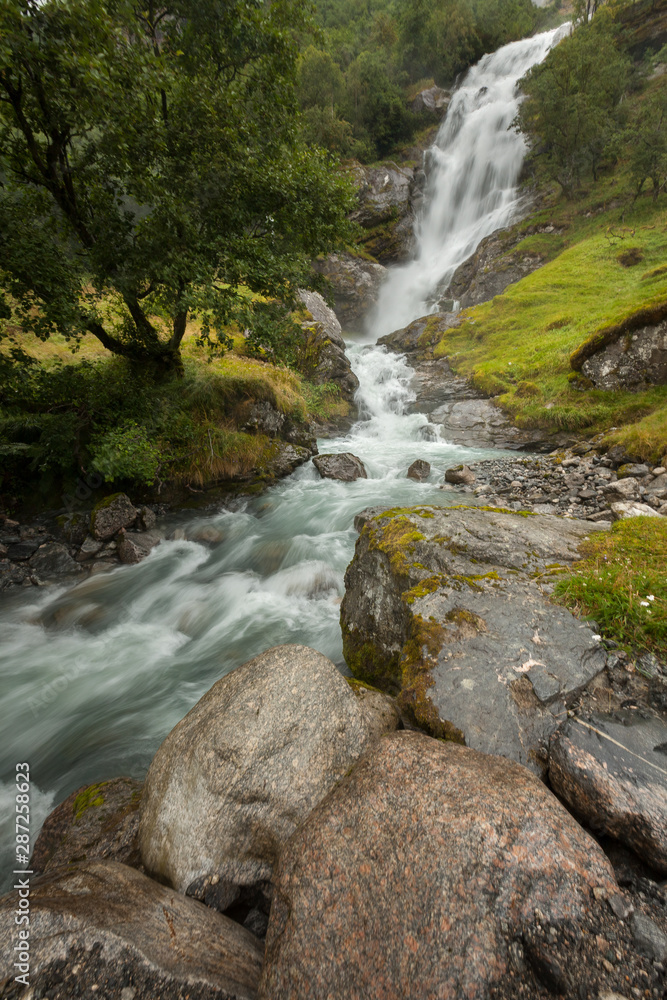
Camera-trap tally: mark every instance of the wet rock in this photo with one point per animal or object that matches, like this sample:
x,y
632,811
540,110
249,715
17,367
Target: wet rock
x,y
419,470
232,781
460,475
344,466
101,920
412,878
133,547
433,100
147,519
612,772
445,607
96,821
325,358
649,938
421,334
12,575
89,548
383,193
53,560
479,423
23,550
494,266
622,511
633,360
356,284
288,457
110,515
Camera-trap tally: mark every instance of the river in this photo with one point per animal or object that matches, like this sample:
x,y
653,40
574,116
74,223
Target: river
x,y
95,675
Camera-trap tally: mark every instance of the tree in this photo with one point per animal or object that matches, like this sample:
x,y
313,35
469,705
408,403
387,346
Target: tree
x,y
151,168
571,112
648,141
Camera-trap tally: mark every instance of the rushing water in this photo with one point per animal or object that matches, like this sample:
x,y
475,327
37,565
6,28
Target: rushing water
x,y
473,172
96,674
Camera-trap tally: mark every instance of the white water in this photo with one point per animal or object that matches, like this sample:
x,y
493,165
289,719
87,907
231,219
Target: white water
x,y
95,675
473,172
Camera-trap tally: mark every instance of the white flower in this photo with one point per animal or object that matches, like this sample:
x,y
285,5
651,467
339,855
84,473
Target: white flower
x,y
644,604
650,597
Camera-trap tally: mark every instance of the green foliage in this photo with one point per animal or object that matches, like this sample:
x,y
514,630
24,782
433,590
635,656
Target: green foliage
x,y
139,164
572,112
621,584
125,452
647,134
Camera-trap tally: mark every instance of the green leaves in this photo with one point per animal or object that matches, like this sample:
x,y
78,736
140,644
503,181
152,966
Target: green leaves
x,y
151,158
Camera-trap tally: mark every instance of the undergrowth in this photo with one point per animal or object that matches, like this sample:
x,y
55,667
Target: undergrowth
x,y
621,584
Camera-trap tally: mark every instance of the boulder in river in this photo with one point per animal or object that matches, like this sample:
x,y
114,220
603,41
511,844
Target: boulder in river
x,y
237,775
53,560
419,470
612,772
460,475
419,872
135,546
344,466
449,608
100,929
325,360
110,515
96,821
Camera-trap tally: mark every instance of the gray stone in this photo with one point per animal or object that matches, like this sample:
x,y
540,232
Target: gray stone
x,y
658,484
480,423
89,548
445,607
638,470
460,475
134,547
23,550
343,466
413,876
433,100
632,361
147,519
422,333
419,470
248,763
648,937
288,457
104,918
612,772
53,560
325,360
622,511
110,515
621,490
383,193
97,821
356,285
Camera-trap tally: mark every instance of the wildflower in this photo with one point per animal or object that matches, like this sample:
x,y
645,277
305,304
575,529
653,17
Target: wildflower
x,y
644,604
650,597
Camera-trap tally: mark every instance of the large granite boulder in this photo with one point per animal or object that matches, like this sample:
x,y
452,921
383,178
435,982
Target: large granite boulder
x,y
631,360
96,821
356,285
383,193
324,357
432,101
343,466
103,929
612,772
479,423
110,515
419,875
244,768
449,608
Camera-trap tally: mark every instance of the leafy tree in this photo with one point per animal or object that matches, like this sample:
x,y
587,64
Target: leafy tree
x,y
648,141
151,165
571,112
375,105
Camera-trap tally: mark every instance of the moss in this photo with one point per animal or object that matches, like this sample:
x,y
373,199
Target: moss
x,y
397,540
424,588
368,664
88,798
359,686
417,659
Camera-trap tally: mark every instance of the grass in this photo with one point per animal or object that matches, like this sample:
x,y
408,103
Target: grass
x,y
621,584
518,346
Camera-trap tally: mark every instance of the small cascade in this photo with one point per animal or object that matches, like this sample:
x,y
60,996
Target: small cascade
x,y
472,191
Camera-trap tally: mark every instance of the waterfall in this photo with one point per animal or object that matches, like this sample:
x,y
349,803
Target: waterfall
x,y
474,167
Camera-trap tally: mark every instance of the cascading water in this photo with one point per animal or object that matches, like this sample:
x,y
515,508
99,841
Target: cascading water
x,y
473,172
95,675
